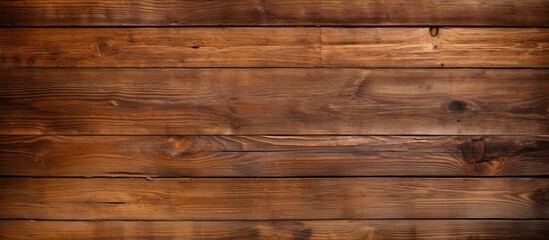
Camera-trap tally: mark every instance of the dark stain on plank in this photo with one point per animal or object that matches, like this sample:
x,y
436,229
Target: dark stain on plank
x,y
541,196
473,151
457,106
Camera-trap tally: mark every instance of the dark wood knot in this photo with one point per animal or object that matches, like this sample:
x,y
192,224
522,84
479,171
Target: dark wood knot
x,y
457,106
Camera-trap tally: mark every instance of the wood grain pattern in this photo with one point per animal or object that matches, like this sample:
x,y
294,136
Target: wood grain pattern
x,y
159,12
159,47
252,119
270,199
280,156
290,230
449,47
273,13
274,47
273,101
435,12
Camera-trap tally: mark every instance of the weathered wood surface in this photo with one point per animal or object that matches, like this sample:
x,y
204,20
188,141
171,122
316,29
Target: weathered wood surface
x,y
443,47
280,156
274,13
290,230
250,119
163,12
274,101
435,12
270,199
274,47
159,47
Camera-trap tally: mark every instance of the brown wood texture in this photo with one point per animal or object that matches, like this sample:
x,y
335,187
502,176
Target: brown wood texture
x,y
161,12
270,199
435,12
274,47
274,12
274,101
444,47
278,156
159,47
290,230
274,119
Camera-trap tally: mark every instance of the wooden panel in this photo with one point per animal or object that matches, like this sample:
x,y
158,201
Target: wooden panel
x,y
273,101
262,199
253,156
291,230
273,47
159,47
445,47
252,119
273,12
160,12
436,12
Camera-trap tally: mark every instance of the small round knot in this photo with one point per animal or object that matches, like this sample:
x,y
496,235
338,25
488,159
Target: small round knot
x,y
104,47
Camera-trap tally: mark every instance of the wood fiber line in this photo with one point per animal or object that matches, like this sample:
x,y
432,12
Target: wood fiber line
x,y
273,101
270,199
272,156
290,230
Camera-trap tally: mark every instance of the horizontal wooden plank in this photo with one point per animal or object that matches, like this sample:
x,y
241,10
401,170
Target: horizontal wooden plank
x,y
273,13
444,47
291,230
264,156
159,47
435,12
160,12
274,198
274,47
274,101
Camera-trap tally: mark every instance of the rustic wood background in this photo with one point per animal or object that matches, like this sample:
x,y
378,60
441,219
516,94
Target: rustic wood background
x,y
274,119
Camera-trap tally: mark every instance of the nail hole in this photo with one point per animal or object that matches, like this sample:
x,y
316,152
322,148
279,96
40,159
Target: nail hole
x,y
196,45
433,31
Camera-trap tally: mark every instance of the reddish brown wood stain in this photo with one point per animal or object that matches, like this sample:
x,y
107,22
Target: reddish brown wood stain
x,y
274,119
